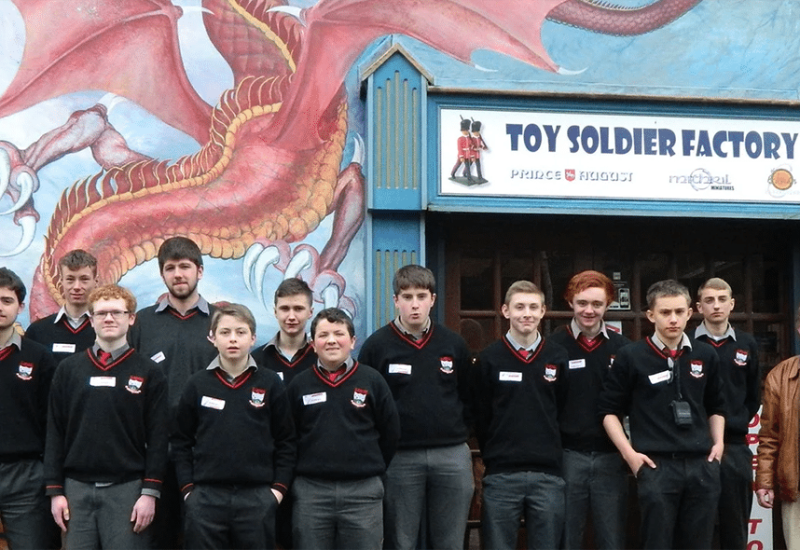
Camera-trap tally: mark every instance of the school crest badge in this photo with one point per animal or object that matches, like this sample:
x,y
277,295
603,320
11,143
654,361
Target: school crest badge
x,y
359,398
696,369
25,371
550,373
134,384
447,365
258,397
740,358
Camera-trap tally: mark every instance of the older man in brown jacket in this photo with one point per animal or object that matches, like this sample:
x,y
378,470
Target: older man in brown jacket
x,y
779,439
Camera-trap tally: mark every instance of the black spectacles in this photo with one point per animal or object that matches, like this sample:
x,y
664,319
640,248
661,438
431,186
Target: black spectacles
x,y
116,315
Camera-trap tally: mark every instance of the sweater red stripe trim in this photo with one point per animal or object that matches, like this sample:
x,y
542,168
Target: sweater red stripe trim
x,y
419,344
192,313
658,351
341,380
587,345
6,351
715,343
236,383
103,367
518,353
82,326
293,364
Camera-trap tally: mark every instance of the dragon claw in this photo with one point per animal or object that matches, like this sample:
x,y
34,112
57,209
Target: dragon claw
x,y
256,261
26,184
5,170
28,225
19,182
302,262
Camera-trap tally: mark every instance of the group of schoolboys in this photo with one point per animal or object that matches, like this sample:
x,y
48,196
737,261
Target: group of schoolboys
x,y
168,404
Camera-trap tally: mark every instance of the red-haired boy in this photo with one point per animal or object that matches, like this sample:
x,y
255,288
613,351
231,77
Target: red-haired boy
x,y
596,477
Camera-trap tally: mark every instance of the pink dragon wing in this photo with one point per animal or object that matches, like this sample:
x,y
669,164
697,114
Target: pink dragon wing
x,y
339,30
128,47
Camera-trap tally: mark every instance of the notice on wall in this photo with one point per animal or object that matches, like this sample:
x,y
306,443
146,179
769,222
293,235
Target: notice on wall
x,y
579,155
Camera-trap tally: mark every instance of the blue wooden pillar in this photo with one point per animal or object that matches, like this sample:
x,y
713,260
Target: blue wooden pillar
x,y
396,174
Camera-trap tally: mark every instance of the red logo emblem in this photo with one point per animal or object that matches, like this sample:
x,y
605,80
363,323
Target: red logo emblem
x,y
569,174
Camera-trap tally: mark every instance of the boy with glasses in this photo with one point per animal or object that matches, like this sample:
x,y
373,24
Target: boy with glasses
x,y
106,448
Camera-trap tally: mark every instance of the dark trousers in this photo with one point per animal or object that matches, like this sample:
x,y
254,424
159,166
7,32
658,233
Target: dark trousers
x,y
346,515
100,516
507,496
228,516
25,508
736,496
597,484
431,486
678,502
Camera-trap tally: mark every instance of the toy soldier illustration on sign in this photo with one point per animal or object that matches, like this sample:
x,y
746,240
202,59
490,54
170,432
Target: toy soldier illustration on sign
x,y
477,144
469,153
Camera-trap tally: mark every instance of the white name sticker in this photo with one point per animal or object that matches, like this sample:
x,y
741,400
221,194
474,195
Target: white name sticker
x,y
63,348
659,377
212,403
314,398
398,368
510,376
103,381
158,357
577,364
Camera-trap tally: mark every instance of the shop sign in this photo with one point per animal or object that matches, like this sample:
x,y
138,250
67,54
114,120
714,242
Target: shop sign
x,y
579,155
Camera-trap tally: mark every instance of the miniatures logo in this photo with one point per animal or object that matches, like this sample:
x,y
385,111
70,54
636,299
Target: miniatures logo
x,y
359,398
470,145
780,181
257,396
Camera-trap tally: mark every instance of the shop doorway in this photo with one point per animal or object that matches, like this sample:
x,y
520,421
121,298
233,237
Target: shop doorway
x,y
483,254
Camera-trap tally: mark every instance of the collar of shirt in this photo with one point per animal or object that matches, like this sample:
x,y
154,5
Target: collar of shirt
x,y
576,331
516,345
201,305
74,322
348,366
215,364
685,342
15,340
115,353
701,330
411,335
274,343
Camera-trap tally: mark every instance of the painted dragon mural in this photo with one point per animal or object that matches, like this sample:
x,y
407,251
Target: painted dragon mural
x,y
271,163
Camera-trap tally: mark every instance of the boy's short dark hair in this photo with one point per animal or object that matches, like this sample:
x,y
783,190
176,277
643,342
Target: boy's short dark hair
x,y
293,287
179,248
333,315
237,311
666,288
112,292
717,284
413,276
78,259
590,279
523,287
11,281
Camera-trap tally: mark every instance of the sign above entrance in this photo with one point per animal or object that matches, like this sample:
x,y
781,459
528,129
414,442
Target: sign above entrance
x,y
578,155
